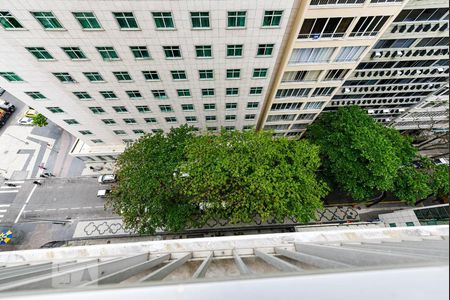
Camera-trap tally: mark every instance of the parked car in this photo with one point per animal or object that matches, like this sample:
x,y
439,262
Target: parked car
x,y
103,193
107,178
7,106
25,121
31,112
4,116
440,161
2,91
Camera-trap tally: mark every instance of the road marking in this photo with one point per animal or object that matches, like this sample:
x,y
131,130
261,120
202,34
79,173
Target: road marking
x,y
10,187
10,191
100,206
3,210
87,207
5,205
15,182
62,208
1,216
74,208
51,209
38,210
26,202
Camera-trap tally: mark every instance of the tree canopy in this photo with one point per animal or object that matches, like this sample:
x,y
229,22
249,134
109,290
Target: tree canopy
x,y
39,120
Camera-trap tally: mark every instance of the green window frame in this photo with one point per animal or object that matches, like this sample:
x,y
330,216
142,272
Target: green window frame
x,y
159,94
129,121
163,20
250,117
47,19
165,108
140,52
210,118
108,53
232,91
170,119
211,128
150,120
71,121
120,109
235,50
252,105
55,109
97,110
236,19
74,53
191,119
233,73
206,74
229,118
36,95
138,131
410,224
8,21
184,93
203,51
11,76
93,76
151,75
108,95
178,75
392,225
64,77
187,107
83,95
230,128
260,72
87,20
209,106
208,92
122,76
231,106
248,127
265,49
109,121
134,95
126,20
172,52
256,90
97,141
272,18
200,19
40,53
143,108
85,132
119,132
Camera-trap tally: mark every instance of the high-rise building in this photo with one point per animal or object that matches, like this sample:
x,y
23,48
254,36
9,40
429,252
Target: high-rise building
x,y
110,71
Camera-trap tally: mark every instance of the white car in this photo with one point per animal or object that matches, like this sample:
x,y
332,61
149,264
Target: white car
x,y
107,178
440,161
25,121
102,193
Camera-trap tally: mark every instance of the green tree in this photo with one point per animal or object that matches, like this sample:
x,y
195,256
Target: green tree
x,y
440,184
146,194
412,184
238,175
360,156
39,120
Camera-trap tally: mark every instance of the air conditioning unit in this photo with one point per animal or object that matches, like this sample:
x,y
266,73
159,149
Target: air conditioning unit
x,y
399,53
371,111
347,90
399,73
388,119
440,70
418,72
401,110
378,54
386,111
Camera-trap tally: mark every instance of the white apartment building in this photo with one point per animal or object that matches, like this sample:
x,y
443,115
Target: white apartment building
x,y
109,71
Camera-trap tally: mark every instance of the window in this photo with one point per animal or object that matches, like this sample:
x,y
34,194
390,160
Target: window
x,y
125,20
249,117
187,107
82,95
35,95
200,19
87,20
178,75
323,92
120,109
191,119
159,94
236,19
210,118
260,73
211,128
134,95
55,109
207,92
108,53
94,77
313,105
97,141
150,120
122,76
368,26
233,73
184,93
265,49
130,121
272,18
64,77
109,95
109,121
352,53
163,20
138,131
324,28
140,52
203,51
256,90
71,121
286,93
143,108
231,106
247,127
150,75
119,132
234,50
334,2
300,76
170,119
85,132
232,91
40,53
311,55
230,118
172,52
209,106
74,53
47,20
206,74
397,43
431,42
8,21
335,74
276,118
286,106
431,14
97,110
11,76
165,108
128,142
252,105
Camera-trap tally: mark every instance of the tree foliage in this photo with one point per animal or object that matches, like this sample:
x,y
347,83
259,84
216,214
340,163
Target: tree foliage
x,y
412,184
39,120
